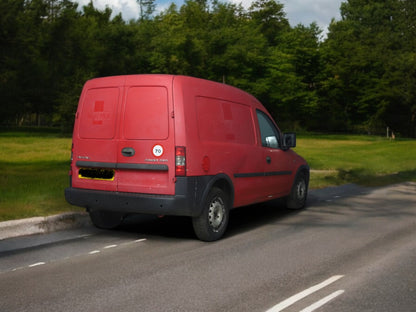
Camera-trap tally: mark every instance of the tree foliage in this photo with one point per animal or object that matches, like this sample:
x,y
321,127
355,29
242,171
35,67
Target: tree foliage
x,y
370,62
360,78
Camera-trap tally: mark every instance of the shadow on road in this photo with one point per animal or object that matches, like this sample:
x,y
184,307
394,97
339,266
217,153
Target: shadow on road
x,y
241,220
352,201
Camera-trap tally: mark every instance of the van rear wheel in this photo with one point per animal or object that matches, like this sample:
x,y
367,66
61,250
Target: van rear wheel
x,y
106,219
212,223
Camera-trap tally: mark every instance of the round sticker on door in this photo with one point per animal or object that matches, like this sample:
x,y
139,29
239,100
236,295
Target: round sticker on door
x,y
157,150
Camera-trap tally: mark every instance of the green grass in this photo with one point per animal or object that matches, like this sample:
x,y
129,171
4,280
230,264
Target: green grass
x,y
365,160
34,173
34,167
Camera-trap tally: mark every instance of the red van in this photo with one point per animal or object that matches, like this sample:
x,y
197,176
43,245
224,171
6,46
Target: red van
x,y
177,145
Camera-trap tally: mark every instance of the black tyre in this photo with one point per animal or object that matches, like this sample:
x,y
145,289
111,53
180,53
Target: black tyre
x,y
299,192
212,223
106,219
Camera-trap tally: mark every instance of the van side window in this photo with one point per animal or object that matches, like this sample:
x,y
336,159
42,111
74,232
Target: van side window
x,y
268,131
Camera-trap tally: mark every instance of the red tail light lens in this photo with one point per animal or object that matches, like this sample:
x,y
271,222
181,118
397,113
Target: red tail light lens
x,y
180,161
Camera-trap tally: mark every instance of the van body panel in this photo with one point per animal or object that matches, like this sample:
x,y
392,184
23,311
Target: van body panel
x,y
279,172
220,126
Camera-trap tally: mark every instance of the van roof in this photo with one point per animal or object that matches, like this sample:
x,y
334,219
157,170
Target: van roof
x,y
180,80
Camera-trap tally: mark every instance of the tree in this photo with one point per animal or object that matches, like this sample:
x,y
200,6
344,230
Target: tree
x,y
147,8
31,62
270,17
366,52
291,62
10,24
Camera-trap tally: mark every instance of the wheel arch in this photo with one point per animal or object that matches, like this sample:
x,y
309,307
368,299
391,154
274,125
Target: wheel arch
x,y
223,182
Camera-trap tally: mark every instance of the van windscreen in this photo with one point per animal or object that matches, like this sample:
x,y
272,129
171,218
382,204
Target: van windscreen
x,y
146,113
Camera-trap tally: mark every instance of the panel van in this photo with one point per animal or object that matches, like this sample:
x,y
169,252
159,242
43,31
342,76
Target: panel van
x,y
177,145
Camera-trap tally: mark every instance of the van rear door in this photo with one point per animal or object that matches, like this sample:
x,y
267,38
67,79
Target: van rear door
x,y
146,147
95,143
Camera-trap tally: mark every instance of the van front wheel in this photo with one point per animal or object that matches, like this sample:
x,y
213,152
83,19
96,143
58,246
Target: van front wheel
x,y
299,192
212,223
106,219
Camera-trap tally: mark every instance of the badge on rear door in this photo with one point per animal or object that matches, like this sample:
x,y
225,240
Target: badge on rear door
x,y
157,150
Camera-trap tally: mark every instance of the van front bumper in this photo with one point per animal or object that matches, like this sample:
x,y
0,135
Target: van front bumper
x,y
186,201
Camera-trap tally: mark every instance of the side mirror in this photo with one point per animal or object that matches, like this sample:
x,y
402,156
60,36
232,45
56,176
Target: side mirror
x,y
271,141
289,140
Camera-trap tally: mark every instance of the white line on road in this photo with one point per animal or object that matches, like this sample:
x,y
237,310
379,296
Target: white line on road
x,y
92,252
36,264
299,296
140,240
110,246
323,301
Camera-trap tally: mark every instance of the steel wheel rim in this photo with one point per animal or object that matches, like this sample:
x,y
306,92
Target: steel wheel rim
x,y
301,190
216,213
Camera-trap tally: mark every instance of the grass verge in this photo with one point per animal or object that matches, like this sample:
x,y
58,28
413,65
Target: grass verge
x,y
34,175
364,160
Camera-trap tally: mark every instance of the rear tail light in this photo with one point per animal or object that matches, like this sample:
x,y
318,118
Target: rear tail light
x,y
180,161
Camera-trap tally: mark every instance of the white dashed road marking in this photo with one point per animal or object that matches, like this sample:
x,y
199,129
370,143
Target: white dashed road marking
x,y
323,301
299,296
110,246
92,252
36,264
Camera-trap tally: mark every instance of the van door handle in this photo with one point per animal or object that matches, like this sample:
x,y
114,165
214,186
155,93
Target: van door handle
x,y
268,159
128,152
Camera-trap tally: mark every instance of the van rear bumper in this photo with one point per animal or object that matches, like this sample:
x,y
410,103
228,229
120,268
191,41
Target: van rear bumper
x,y
186,201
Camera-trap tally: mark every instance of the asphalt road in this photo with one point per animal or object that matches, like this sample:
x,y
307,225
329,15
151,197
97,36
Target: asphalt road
x,y
352,249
